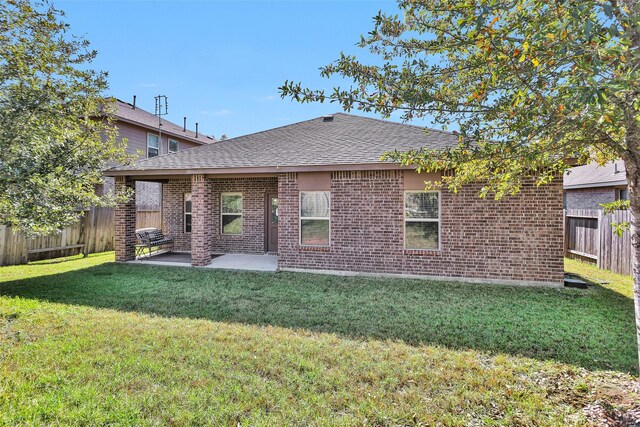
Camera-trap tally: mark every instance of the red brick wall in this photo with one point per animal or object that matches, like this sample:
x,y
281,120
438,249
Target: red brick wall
x,y
125,222
254,191
201,221
254,195
173,213
517,238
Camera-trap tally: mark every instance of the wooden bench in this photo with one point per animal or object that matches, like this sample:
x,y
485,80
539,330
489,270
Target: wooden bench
x,y
149,238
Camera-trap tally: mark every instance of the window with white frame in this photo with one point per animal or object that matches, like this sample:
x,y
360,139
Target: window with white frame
x,y
187,212
231,213
315,222
173,146
421,220
153,145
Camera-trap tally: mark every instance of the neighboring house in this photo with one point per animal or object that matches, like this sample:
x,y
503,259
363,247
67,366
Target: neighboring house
x,y
317,194
140,129
586,187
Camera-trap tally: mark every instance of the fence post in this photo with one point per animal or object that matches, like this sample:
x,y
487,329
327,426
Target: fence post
x,y
599,241
565,232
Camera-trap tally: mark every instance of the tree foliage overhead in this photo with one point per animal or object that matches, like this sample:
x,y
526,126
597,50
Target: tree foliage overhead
x,y
530,83
55,131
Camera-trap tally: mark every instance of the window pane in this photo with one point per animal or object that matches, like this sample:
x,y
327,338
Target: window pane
x,y
232,203
274,210
152,141
314,232
421,205
421,235
187,206
314,204
232,224
152,152
187,223
173,145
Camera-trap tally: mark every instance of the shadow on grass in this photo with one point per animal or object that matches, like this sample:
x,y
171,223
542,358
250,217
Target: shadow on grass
x,y
591,328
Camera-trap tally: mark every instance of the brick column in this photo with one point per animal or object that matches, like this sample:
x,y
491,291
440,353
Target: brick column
x,y
201,220
125,222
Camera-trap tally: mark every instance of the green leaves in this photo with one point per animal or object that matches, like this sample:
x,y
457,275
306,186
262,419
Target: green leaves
x,y
56,135
548,81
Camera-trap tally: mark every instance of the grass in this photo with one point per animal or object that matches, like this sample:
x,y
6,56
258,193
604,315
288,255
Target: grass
x,y
87,341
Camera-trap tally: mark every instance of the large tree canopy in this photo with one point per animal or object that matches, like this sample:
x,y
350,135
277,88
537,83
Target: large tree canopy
x,y
55,132
530,83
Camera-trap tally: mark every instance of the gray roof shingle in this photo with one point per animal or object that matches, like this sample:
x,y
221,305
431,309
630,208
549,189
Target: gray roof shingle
x,y
594,175
345,140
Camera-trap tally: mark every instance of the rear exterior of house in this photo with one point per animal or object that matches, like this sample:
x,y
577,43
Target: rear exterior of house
x,y
316,194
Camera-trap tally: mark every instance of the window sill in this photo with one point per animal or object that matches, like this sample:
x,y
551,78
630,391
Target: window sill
x,y
427,252
303,248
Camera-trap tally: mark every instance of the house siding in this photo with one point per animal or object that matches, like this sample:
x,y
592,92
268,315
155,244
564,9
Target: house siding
x,y
589,198
517,238
136,137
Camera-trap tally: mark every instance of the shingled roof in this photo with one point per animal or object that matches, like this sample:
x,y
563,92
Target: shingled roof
x,y
340,139
126,112
594,175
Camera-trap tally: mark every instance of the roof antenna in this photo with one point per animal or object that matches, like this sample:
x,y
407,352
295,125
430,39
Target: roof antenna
x,y
134,102
162,109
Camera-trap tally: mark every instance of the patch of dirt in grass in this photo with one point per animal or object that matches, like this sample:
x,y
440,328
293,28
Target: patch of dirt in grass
x,y
606,399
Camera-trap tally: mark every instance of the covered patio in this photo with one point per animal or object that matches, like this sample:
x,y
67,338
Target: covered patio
x,y
227,222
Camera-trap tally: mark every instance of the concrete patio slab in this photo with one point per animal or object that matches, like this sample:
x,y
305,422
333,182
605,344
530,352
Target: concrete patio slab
x,y
245,262
224,262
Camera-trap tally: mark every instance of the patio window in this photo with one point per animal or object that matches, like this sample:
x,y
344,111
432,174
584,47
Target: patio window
x,y
314,218
421,220
187,212
231,213
153,145
173,146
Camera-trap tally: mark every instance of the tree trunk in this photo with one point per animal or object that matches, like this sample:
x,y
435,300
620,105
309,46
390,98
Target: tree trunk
x,y
632,164
634,197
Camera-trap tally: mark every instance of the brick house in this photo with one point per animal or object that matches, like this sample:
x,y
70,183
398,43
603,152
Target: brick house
x,y
586,187
317,194
140,129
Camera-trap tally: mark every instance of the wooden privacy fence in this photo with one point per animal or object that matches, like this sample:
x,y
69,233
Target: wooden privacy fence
x,y
94,233
588,234
148,218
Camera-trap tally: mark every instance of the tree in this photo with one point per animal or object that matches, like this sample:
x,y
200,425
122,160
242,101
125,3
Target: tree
x,y
531,84
56,134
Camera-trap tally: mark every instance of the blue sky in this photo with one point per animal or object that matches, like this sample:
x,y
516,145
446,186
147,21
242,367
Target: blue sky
x,y
220,62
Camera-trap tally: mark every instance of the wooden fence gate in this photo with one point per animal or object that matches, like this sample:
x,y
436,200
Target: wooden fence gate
x,y
588,234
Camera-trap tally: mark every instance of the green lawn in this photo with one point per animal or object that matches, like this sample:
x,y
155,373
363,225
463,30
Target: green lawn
x,y
87,341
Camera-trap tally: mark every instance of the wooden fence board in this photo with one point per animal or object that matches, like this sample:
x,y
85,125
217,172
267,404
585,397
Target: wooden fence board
x,y
94,233
589,234
149,218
